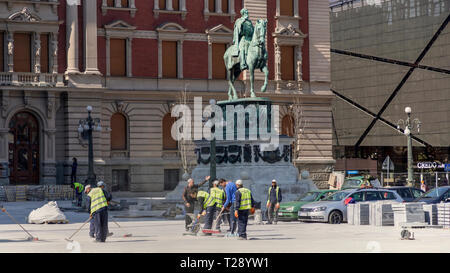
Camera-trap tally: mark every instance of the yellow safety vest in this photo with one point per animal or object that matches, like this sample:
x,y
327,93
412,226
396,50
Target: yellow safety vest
x,y
246,199
218,195
268,197
208,200
98,199
80,186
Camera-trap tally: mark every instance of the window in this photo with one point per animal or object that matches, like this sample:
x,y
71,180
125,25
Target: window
x,y
218,65
287,63
404,193
372,196
2,64
171,179
118,57
212,5
162,4
176,4
287,7
169,59
22,52
168,142
416,193
287,126
124,3
118,132
357,197
388,195
44,54
225,6
110,3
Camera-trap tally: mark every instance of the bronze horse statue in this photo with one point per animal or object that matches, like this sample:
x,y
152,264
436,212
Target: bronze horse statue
x,y
256,58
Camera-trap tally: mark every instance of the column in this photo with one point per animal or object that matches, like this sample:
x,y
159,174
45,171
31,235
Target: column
x,y
169,5
159,57
4,162
183,5
37,52
180,59
108,57
219,6
298,54
90,37
72,38
10,52
54,53
209,58
129,57
296,8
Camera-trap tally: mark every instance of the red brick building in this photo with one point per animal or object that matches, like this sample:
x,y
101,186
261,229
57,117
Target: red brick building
x,y
129,60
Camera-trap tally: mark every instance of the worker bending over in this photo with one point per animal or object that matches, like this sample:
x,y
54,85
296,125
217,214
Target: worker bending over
x,y
99,213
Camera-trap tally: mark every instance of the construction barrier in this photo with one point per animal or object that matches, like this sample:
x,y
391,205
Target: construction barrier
x,y
36,193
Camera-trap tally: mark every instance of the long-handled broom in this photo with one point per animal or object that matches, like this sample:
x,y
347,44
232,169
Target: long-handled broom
x,y
126,233
70,238
214,225
31,237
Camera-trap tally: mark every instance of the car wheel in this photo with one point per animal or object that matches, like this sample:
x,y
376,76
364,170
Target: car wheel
x,y
335,217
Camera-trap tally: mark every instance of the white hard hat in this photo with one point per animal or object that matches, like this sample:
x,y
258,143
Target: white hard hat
x,y
239,182
87,187
274,181
101,183
216,182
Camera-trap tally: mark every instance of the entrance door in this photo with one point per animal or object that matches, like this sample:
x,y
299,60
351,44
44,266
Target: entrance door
x,y
24,149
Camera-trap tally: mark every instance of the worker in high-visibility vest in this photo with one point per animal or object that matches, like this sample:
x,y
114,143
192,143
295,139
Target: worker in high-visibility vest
x,y
244,205
99,213
79,188
273,202
218,196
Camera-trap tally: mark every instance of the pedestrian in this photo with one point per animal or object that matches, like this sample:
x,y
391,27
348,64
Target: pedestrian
x,y
99,213
230,189
423,186
244,205
108,197
73,175
273,202
189,202
79,188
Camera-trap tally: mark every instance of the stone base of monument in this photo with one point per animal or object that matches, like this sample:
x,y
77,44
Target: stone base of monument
x,y
256,168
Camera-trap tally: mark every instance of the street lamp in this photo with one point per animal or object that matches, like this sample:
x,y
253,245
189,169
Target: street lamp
x,y
409,126
85,128
212,150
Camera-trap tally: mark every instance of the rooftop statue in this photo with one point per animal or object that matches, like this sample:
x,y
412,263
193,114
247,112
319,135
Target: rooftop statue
x,y
248,52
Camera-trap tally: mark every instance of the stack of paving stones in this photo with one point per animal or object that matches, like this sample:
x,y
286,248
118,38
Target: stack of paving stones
x,y
405,213
431,213
443,214
381,213
359,212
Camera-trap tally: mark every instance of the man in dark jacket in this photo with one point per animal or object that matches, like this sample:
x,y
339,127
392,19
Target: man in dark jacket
x,y
273,202
189,202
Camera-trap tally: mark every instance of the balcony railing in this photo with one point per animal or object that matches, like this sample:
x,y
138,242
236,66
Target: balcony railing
x,y
31,79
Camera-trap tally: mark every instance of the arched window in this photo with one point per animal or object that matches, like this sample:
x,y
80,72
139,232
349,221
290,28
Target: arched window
x,y
168,142
287,126
118,132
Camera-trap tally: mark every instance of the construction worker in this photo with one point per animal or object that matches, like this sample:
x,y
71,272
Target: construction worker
x,y
244,205
230,189
273,202
189,202
207,206
79,188
108,197
219,198
87,189
99,213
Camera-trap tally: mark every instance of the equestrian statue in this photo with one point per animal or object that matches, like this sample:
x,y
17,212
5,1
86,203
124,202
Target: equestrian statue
x,y
248,52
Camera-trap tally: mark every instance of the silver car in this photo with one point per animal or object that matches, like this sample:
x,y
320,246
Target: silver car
x,y
333,208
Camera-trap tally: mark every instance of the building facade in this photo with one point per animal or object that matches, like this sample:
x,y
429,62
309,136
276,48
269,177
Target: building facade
x,y
386,56
130,60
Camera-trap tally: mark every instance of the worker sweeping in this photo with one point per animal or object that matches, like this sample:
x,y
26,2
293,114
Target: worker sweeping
x,y
79,188
244,205
188,201
99,213
219,198
207,205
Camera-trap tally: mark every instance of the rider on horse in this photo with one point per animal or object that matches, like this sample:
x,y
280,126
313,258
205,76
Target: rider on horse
x,y
242,36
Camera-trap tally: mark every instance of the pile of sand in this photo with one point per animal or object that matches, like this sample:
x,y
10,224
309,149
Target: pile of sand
x,y
46,213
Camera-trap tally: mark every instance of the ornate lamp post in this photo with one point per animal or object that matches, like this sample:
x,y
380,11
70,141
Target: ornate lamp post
x,y
85,128
212,151
409,126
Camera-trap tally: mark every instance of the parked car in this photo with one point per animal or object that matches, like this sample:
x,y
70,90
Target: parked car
x,y
333,208
436,195
356,182
408,194
289,210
